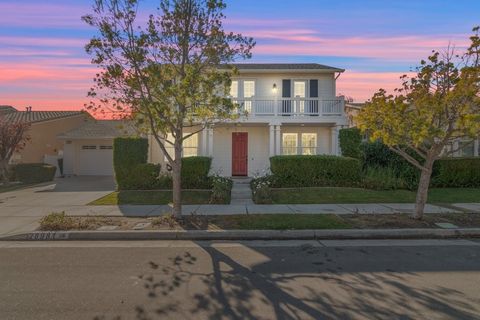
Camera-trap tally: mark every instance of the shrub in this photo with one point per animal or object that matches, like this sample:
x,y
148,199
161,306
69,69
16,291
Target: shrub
x,y
262,193
221,190
128,153
33,172
378,155
382,178
315,171
146,176
350,140
456,172
143,176
195,173
56,221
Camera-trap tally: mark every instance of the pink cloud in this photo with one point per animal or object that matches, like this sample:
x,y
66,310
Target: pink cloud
x,y
42,41
306,42
42,15
362,85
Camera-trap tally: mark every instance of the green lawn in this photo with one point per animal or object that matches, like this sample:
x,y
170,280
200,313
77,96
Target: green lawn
x,y
358,195
152,198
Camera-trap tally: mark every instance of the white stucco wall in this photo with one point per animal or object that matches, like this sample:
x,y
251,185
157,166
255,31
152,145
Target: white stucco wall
x,y
264,83
258,149
258,146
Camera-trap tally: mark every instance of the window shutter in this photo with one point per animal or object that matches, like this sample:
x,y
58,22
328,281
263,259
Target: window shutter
x,y
286,88
314,88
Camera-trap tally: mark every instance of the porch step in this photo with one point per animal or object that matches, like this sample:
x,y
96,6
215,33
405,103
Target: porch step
x,y
241,192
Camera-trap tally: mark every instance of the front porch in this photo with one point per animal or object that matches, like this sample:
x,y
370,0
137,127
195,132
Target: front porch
x,y
249,155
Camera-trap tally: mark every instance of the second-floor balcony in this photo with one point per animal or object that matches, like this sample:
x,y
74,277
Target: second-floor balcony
x,y
291,107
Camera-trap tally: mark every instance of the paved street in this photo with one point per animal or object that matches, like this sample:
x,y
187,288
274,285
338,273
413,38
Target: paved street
x,y
416,279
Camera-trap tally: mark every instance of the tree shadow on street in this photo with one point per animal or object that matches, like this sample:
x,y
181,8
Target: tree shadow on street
x,y
315,284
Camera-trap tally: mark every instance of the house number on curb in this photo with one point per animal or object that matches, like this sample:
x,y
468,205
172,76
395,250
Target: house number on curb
x,y
47,236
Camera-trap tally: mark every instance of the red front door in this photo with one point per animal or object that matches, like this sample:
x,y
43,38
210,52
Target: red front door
x,y
239,153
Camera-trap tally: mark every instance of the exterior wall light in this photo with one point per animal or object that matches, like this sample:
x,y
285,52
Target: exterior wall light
x,y
274,88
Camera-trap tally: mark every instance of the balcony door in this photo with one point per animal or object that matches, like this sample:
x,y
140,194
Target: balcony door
x,y
248,94
299,94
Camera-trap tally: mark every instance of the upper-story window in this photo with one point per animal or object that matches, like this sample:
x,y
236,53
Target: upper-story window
x,y
243,90
234,89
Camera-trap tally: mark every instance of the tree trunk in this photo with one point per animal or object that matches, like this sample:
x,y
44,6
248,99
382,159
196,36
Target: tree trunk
x,y
177,181
422,191
4,171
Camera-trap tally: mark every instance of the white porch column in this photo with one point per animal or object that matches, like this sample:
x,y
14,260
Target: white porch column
x,y
334,146
210,141
272,140
204,142
278,149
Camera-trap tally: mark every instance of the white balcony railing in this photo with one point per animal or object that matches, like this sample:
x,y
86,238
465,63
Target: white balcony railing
x,y
294,107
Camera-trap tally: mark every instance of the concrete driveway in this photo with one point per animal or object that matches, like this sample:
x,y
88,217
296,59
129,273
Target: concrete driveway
x,y
21,209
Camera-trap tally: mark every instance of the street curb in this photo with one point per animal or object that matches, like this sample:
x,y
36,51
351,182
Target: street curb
x,y
339,234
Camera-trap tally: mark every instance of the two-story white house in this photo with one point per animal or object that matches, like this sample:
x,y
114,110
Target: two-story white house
x,y
286,109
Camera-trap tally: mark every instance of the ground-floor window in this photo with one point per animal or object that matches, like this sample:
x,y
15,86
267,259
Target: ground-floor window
x,y
309,143
289,143
190,146
468,148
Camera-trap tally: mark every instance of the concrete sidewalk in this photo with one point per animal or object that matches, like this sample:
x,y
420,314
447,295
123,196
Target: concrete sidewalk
x,y
24,218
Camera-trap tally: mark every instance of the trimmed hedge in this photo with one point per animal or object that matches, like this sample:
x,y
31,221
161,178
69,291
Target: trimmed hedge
x,y
195,173
456,173
33,172
128,154
350,140
377,155
314,171
447,172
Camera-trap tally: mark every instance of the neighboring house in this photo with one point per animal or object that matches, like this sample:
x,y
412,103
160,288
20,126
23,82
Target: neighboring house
x,y
6,109
88,149
44,145
292,109
466,148
351,111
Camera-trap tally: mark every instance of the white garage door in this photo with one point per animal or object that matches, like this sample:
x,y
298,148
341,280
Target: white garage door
x,y
95,160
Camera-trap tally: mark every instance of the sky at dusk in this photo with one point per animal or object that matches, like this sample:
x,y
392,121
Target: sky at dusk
x,y
43,62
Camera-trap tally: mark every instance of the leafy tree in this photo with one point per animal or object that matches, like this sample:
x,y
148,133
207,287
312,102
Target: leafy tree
x,y
13,138
430,112
172,73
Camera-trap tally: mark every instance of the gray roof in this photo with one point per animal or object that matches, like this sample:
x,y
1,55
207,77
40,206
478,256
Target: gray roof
x,y
101,129
39,116
286,66
7,109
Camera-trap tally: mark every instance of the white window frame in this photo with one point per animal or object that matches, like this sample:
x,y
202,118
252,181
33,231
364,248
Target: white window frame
x,y
471,144
313,148
284,148
234,89
186,142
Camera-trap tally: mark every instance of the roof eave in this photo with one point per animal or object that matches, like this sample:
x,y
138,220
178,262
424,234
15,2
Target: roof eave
x,y
240,71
